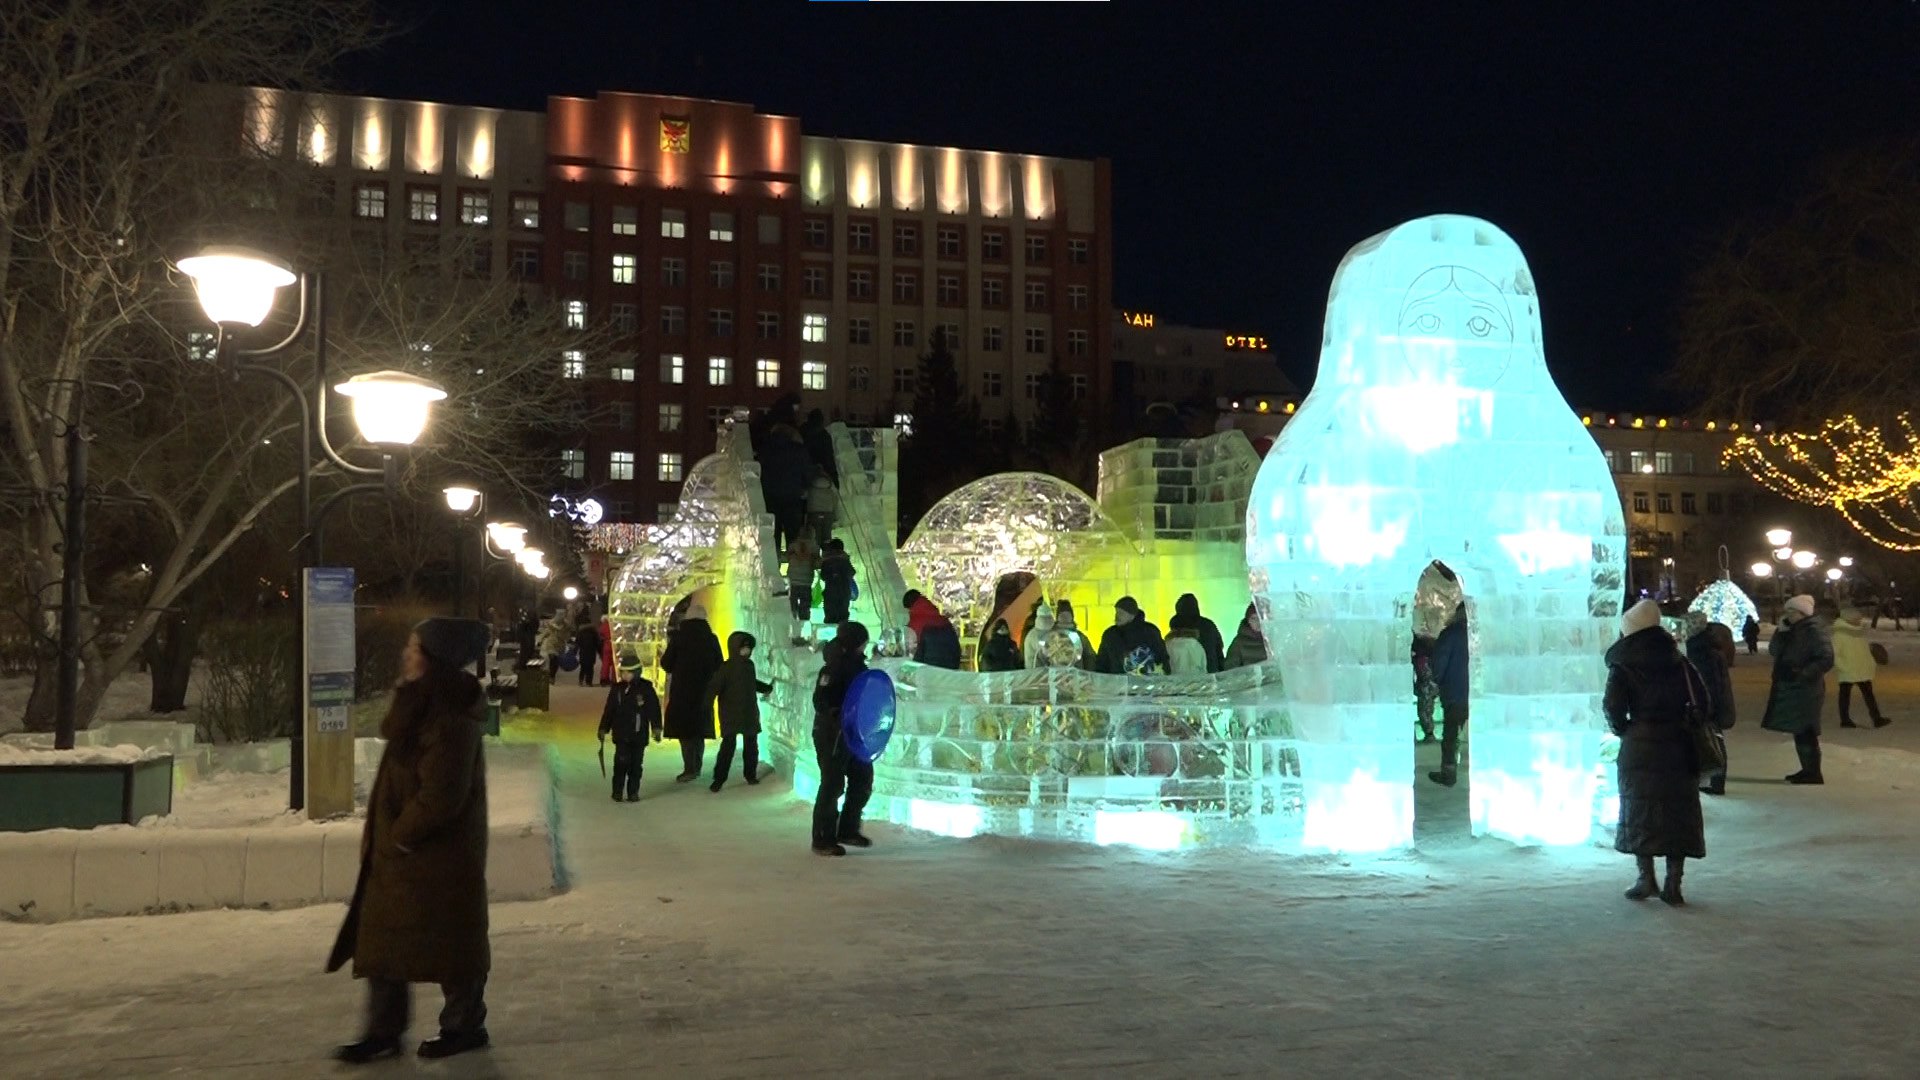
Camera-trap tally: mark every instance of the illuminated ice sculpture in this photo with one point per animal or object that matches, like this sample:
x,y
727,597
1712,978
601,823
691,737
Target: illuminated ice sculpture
x,y
1434,431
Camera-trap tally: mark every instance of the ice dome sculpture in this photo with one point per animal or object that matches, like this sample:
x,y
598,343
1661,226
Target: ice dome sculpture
x,y
1725,603
1434,431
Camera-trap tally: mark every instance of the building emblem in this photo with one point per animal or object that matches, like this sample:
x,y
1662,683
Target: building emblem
x,y
676,134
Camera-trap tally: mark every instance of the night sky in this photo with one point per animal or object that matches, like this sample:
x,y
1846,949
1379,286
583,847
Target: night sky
x,y
1614,140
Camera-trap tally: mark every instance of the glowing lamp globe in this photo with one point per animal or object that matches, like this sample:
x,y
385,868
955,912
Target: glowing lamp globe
x,y
1804,560
1779,537
1846,560
461,499
538,573
1783,553
236,285
1761,569
508,536
570,593
390,407
530,557
1835,573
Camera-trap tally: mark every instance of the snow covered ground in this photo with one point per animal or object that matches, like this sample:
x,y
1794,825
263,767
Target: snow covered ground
x,y
702,939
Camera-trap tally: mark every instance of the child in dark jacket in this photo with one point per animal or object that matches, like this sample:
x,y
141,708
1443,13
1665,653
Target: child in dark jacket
x,y
631,713
836,582
736,686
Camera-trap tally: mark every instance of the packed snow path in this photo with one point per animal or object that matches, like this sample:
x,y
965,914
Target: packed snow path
x,y
702,940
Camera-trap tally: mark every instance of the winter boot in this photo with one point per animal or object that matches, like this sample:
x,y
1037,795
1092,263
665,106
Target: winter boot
x,y
1670,892
1645,886
449,1043
367,1050
855,839
1809,767
829,849
1844,722
1881,721
1445,776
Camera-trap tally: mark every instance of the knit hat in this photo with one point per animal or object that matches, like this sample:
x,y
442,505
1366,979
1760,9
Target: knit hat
x,y
1639,617
454,642
739,639
911,595
1697,621
629,661
1802,604
1129,605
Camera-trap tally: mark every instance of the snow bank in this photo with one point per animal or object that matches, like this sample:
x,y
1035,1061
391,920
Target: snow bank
x,y
124,754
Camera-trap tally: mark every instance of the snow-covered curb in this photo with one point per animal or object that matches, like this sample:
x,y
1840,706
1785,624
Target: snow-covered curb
x,y
122,870
124,754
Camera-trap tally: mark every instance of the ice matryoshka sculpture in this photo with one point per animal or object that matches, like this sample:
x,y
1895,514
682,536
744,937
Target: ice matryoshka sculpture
x,y
1435,432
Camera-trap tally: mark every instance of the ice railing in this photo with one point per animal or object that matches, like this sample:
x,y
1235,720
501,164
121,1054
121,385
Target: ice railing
x,y
863,457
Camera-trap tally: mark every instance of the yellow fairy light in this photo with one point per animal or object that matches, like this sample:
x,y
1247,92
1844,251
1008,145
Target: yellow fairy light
x,y
1848,466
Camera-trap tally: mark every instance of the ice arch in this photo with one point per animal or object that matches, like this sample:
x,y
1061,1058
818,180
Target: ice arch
x,y
1434,431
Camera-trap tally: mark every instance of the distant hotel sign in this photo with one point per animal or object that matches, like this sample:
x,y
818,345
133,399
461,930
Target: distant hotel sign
x,y
1140,319
1246,343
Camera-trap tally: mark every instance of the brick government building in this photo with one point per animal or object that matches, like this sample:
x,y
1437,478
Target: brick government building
x,y
733,259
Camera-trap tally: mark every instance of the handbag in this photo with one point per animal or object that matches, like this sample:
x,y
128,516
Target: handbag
x,y
1709,752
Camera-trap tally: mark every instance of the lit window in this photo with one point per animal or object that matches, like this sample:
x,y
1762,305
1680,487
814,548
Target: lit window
x,y
573,364
905,380
1036,247
767,325
1079,384
1076,343
860,331
201,344
1036,295
526,211
720,273
720,226
423,204
673,369
766,374
903,332
906,288
947,287
859,377
526,263
813,375
671,416
906,240
624,317
673,224
903,423
624,269
370,202
1037,340
673,271
769,277
576,217
993,338
1077,297
989,384
719,371
860,236
576,314
951,241
813,328
769,228
669,467
993,292
1077,252
573,265
813,280
474,208
673,319
816,232
626,221
719,322
620,465
573,464
622,370
859,284
993,245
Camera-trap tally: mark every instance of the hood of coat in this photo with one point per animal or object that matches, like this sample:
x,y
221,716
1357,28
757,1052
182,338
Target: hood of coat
x,y
1650,646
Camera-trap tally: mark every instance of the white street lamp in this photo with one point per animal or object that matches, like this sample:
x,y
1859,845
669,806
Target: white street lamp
x,y
460,498
538,572
1834,573
1783,553
1761,569
391,407
1846,560
236,285
1779,537
1804,560
570,594
508,536
530,557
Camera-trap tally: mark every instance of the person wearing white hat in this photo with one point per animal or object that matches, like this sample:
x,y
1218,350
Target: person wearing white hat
x,y
1649,686
1802,656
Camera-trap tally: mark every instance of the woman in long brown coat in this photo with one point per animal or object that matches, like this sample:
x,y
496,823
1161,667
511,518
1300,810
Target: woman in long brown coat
x,y
419,911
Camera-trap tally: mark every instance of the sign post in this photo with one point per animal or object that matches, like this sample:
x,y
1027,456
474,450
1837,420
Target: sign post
x,y
326,686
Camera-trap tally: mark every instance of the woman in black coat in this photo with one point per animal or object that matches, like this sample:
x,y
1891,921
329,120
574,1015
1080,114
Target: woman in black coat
x,y
692,656
1648,688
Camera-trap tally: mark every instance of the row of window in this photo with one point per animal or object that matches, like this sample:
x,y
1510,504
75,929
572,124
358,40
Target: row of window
x,y
949,288
766,375
1652,462
423,206
625,318
668,466
950,241
1643,503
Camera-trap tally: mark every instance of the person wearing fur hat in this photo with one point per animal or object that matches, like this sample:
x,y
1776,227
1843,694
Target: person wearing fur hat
x,y
1711,651
1132,645
1802,656
736,687
692,656
1649,688
1853,666
419,910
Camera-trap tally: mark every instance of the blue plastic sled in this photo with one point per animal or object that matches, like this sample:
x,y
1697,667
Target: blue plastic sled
x,y
867,715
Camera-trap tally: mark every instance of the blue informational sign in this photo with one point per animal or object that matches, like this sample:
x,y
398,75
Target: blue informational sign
x,y
867,715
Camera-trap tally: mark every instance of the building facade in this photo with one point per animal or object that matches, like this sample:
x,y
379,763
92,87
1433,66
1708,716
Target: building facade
x,y
1164,366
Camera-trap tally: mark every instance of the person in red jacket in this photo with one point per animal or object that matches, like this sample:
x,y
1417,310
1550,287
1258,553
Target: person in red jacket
x,y
936,643
606,652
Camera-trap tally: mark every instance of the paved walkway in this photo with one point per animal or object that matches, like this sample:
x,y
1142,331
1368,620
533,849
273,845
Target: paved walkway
x,y
701,940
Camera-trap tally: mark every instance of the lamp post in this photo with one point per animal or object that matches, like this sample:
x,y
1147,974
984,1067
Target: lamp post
x,y
237,287
464,501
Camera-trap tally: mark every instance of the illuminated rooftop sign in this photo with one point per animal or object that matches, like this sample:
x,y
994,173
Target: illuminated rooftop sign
x,y
1140,319
1246,343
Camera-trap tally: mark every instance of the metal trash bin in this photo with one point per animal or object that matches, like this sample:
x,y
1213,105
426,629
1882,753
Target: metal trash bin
x,y
493,718
534,689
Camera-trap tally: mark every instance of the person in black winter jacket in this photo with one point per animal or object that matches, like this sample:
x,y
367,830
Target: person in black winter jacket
x,y
692,656
999,653
836,582
1452,662
836,825
819,443
1186,616
1710,650
586,642
632,712
1132,645
1649,686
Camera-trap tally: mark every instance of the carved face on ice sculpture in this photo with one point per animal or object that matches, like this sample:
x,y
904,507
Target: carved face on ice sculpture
x,y
1455,328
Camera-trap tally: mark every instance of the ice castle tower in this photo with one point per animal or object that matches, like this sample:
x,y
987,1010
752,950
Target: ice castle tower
x,y
1434,431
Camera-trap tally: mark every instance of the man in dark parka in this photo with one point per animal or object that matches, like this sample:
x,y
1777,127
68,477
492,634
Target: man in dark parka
x,y
690,661
419,910
1802,656
1649,686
